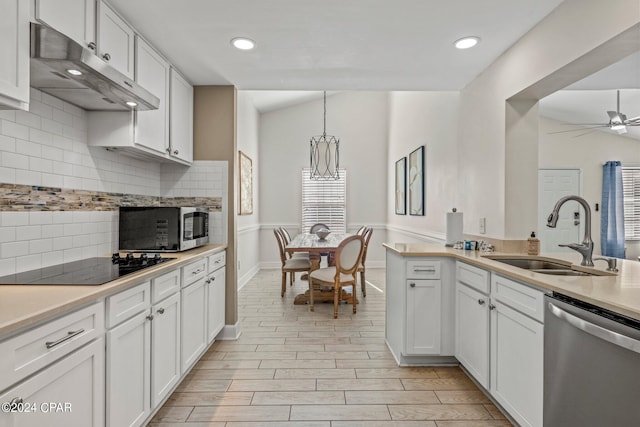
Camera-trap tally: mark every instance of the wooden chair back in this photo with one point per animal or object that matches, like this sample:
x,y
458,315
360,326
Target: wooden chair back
x,y
349,255
366,237
281,245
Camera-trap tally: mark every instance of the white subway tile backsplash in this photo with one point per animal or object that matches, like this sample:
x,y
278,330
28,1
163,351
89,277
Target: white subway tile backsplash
x,y
41,137
52,101
52,258
28,119
14,160
29,232
40,217
62,117
62,243
27,177
52,126
51,230
40,246
13,219
28,148
7,143
14,249
8,115
29,262
40,109
7,234
7,266
15,130
7,175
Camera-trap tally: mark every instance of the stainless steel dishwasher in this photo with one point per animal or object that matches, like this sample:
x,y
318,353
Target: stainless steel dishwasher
x,y
591,365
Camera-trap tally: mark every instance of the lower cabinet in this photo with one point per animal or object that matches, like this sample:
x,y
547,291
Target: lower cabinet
x,y
193,325
165,348
216,303
128,369
69,392
472,332
423,317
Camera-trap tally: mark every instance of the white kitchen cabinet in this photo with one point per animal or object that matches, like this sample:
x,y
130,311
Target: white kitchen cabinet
x,y
472,332
181,118
165,348
68,393
517,350
215,295
193,323
128,370
472,320
152,73
115,40
74,18
420,309
423,317
14,50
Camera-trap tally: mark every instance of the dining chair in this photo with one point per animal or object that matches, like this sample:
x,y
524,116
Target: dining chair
x,y
287,238
343,274
361,230
290,265
366,236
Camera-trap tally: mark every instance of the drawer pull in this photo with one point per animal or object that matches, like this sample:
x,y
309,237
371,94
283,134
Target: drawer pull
x,y
218,261
198,271
150,317
492,307
161,310
481,301
425,270
70,334
413,285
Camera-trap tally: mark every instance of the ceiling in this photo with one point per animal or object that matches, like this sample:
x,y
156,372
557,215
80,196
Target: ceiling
x,y
333,44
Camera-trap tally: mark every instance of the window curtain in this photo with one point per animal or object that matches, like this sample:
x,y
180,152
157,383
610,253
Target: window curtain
x,y
612,224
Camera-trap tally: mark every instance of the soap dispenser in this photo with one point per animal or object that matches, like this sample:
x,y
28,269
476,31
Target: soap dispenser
x,y
533,244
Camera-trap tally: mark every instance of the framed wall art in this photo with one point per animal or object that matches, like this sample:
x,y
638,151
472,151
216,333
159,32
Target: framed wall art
x,y
246,184
416,181
401,186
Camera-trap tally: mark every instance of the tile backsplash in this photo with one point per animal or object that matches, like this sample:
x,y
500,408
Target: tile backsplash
x,y
46,149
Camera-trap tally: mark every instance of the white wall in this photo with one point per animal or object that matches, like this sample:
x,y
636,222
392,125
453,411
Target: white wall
x,y
359,119
249,225
430,119
547,50
587,153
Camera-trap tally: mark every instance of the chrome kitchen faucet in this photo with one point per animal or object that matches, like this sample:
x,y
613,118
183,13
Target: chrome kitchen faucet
x,y
586,247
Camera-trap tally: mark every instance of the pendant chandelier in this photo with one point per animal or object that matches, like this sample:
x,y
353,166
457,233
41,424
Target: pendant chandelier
x,y
324,152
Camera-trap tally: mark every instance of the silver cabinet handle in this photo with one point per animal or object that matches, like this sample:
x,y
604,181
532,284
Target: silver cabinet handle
x,y
413,285
92,45
481,301
492,307
595,330
106,57
198,271
176,152
160,310
150,317
425,270
70,334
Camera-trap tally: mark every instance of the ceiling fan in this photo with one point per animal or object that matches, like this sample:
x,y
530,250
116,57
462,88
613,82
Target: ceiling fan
x,y
617,122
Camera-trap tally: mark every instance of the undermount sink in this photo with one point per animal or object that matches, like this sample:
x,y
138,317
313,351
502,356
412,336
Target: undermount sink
x,y
545,266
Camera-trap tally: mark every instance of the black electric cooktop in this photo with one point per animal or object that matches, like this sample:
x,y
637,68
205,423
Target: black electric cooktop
x,y
90,271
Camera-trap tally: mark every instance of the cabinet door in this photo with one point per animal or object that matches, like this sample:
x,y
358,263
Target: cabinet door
x,y
423,317
128,367
152,73
67,393
193,325
14,51
165,348
74,18
472,332
215,297
115,40
181,118
517,364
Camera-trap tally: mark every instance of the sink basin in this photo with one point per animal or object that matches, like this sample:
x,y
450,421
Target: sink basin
x,y
545,266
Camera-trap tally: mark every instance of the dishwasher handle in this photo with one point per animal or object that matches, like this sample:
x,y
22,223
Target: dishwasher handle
x,y
595,330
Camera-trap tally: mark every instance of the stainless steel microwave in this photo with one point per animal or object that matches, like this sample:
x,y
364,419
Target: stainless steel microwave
x,y
162,229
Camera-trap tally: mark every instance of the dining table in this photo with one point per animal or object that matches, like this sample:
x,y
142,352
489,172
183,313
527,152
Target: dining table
x,y
317,247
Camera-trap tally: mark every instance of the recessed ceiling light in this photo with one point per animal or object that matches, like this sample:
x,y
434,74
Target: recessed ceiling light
x,y
74,72
132,104
243,43
467,42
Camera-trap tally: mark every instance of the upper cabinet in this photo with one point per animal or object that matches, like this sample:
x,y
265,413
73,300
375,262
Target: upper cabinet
x,y
181,136
115,40
74,18
14,50
152,73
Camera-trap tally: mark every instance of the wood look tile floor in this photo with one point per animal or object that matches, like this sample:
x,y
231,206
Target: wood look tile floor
x,y
291,367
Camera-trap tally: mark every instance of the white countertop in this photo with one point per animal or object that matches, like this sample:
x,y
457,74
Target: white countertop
x,y
619,293
22,306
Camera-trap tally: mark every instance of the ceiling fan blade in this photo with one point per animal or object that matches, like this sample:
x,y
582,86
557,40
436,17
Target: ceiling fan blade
x,y
579,129
584,133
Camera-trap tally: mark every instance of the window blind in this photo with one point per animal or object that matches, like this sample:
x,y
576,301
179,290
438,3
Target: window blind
x,y
324,201
631,195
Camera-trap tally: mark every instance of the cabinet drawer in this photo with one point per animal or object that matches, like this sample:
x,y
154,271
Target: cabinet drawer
x,y
128,303
473,277
217,261
423,269
520,297
31,351
194,272
165,286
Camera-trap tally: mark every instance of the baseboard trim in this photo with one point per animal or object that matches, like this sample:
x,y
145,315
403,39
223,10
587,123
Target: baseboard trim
x,y
246,277
229,332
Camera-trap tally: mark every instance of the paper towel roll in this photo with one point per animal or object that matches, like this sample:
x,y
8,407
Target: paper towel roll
x,y
454,228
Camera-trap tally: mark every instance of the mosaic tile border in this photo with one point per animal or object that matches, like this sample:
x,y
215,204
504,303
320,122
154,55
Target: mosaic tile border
x,y
22,198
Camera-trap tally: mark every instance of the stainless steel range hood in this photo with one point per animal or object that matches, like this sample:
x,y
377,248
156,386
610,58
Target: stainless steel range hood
x,y
99,86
